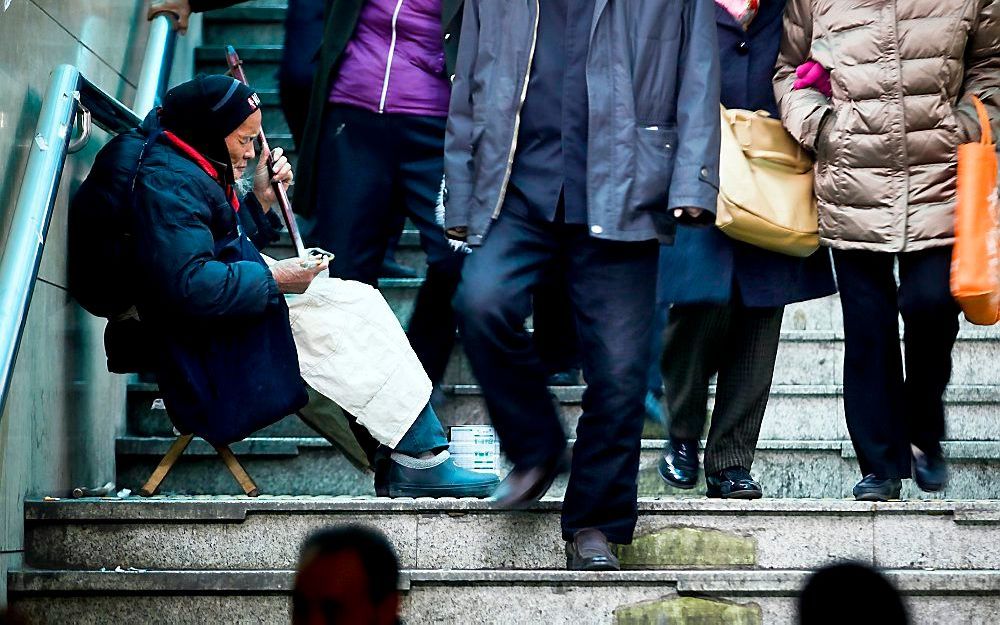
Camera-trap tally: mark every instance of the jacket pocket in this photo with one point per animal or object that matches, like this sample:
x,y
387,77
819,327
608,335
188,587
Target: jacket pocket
x,y
655,147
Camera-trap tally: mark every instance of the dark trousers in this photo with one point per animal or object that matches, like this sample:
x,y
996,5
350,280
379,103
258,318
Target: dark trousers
x,y
303,35
373,170
741,345
554,328
886,411
611,289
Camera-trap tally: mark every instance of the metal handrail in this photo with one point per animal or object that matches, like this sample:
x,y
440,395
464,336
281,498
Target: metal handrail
x,y
68,97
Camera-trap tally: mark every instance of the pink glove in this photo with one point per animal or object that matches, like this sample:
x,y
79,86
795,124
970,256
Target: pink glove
x,y
813,75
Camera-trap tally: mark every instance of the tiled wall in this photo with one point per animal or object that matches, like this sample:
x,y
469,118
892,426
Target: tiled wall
x,y
64,410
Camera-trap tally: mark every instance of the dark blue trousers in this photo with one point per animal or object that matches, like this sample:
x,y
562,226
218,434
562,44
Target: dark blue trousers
x,y
375,170
611,290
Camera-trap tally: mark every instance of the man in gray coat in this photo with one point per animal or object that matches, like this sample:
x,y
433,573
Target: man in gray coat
x,y
580,132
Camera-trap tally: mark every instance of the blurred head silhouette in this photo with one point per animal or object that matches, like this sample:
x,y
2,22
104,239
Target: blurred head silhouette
x,y
852,594
347,575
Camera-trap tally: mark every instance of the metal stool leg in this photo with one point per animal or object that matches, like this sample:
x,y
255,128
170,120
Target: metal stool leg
x,y
167,463
242,477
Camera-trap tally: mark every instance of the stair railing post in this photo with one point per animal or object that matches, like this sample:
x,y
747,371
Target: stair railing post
x,y
22,252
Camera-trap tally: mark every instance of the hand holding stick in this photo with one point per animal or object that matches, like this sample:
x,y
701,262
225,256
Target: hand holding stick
x,y
236,68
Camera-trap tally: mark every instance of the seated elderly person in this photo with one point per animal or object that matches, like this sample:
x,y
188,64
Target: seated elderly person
x,y
222,318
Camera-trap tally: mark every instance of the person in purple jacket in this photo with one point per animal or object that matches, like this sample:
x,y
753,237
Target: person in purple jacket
x,y
374,146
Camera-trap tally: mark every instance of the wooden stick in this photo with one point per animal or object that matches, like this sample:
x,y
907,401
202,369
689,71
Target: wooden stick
x,y
242,477
175,451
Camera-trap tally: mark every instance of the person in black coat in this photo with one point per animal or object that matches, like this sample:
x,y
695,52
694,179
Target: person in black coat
x,y
215,309
727,298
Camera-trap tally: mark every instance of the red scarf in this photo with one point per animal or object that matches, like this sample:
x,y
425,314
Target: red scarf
x,y
743,11
206,166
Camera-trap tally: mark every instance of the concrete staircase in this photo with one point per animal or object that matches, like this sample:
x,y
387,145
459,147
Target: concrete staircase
x,y
201,554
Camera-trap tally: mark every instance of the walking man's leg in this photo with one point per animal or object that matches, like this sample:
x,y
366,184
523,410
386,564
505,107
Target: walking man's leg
x,y
493,301
612,288
432,326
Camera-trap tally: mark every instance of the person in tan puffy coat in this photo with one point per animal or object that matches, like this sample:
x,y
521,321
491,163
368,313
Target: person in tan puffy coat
x,y
885,135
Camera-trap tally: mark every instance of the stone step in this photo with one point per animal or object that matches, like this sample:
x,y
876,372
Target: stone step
x,y
242,26
494,597
408,252
794,412
817,358
821,315
311,466
447,534
260,62
274,118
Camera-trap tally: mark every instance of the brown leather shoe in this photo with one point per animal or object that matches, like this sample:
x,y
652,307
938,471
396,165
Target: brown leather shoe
x,y
589,551
523,487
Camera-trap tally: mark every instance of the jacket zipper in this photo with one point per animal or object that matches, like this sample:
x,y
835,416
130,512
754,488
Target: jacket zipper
x,y
388,62
517,115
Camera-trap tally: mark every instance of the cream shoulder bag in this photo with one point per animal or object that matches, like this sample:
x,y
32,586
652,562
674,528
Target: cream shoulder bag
x,y
766,185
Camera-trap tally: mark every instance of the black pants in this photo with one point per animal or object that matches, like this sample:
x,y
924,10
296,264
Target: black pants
x,y
303,35
555,330
886,411
741,345
611,287
373,169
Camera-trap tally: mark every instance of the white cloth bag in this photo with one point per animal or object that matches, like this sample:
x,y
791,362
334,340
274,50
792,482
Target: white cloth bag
x,y
353,351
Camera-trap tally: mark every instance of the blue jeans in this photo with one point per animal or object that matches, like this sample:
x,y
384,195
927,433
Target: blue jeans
x,y
426,434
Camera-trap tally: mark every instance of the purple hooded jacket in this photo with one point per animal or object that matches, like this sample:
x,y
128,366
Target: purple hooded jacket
x,y
395,61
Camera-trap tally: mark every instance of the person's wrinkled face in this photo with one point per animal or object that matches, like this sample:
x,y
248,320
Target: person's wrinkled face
x,y
333,590
240,143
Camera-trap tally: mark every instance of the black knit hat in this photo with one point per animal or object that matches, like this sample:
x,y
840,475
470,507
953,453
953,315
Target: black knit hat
x,y
204,111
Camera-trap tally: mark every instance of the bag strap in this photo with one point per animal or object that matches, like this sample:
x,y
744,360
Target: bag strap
x,y
984,120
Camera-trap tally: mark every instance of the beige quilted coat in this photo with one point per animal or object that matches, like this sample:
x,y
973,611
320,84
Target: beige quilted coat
x,y
886,142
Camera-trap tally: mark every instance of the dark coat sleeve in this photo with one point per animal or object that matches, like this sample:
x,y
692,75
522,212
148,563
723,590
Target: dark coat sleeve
x,y
695,180
200,6
261,228
177,254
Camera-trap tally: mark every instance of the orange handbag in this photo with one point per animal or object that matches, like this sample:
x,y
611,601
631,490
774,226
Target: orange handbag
x,y
975,266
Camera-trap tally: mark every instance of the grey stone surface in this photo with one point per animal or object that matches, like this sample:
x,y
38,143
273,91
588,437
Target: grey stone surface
x,y
815,358
786,469
464,597
794,412
260,542
237,533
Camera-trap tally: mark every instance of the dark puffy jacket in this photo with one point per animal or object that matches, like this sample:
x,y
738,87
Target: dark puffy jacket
x,y
225,358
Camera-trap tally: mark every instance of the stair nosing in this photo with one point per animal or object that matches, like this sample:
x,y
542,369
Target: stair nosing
x,y
720,582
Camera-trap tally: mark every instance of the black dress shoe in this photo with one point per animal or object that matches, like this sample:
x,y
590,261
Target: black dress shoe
x,y
679,464
733,483
523,487
391,269
875,488
589,551
930,471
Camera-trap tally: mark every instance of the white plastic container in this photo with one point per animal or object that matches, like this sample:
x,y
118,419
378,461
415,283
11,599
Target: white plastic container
x,y
475,447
